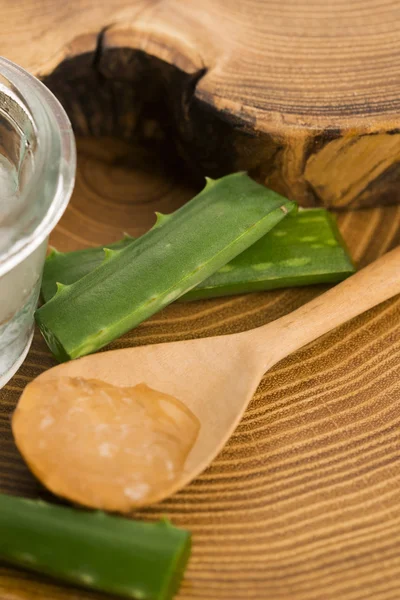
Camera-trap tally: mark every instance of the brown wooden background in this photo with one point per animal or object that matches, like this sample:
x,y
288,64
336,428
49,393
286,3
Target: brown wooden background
x,y
303,93
304,501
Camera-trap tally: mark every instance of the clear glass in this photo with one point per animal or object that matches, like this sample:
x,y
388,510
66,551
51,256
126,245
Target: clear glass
x,y
37,171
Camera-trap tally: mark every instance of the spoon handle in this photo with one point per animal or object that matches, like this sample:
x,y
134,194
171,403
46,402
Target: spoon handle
x,y
360,292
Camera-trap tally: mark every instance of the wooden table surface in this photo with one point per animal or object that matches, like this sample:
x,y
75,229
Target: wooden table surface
x,y
304,501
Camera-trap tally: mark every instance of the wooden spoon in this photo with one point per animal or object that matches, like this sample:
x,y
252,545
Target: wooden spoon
x,y
216,377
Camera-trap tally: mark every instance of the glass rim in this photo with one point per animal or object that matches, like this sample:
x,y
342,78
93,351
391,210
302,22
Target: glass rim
x,y
54,135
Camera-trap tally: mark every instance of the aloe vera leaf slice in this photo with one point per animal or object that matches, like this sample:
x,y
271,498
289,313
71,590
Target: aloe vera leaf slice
x,y
304,249
120,556
133,283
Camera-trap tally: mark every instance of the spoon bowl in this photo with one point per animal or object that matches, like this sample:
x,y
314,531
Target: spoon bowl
x,y
216,377
199,373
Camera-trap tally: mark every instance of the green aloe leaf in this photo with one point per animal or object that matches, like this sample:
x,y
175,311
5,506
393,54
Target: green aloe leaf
x,y
303,249
306,248
143,561
134,282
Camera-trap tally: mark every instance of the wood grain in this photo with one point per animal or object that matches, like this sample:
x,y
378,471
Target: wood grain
x,y
303,502
305,95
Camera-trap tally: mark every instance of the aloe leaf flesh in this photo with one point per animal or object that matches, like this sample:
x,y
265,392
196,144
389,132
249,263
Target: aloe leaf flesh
x,y
69,267
305,248
134,282
143,561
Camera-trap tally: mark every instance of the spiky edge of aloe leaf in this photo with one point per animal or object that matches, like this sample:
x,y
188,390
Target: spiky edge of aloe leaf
x,y
328,264
229,215
82,262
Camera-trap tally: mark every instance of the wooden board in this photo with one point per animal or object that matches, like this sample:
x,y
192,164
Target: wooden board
x,y
303,94
304,501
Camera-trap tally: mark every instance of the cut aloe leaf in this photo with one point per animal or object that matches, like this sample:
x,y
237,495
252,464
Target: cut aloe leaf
x,y
143,561
69,267
306,248
134,282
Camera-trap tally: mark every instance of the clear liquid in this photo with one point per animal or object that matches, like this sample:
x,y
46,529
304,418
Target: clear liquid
x,y
8,184
19,292
19,289
9,201
37,164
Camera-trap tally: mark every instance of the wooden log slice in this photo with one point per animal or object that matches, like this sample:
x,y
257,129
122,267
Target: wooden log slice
x,y
304,501
304,95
